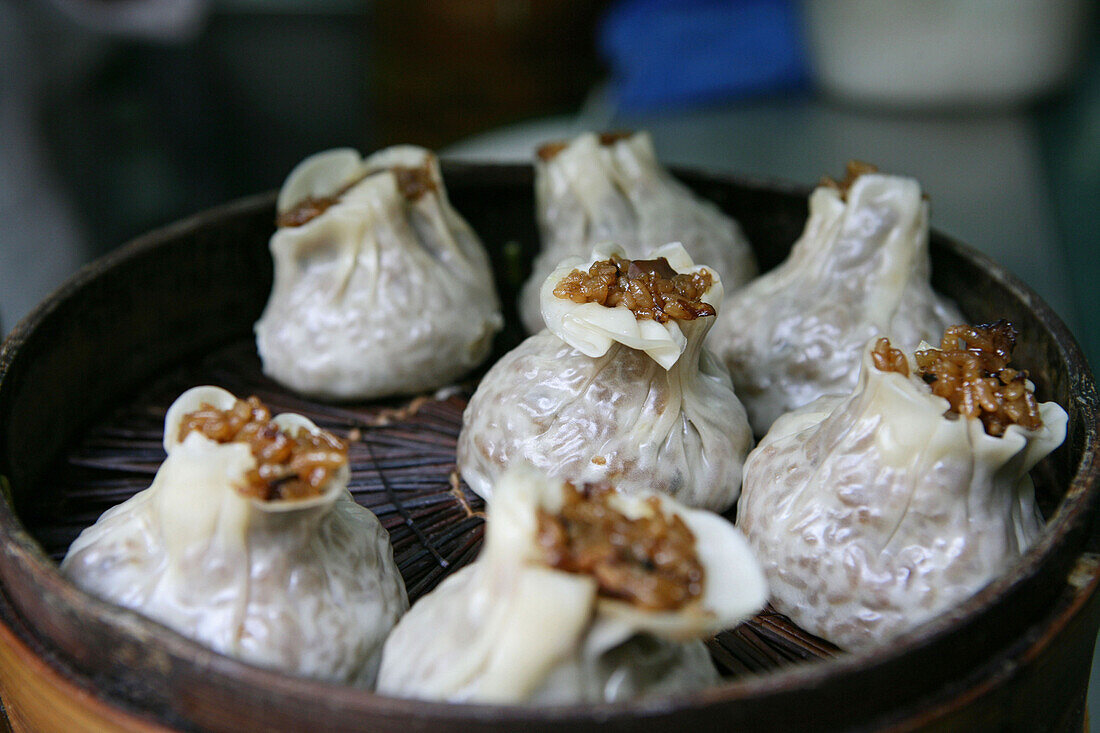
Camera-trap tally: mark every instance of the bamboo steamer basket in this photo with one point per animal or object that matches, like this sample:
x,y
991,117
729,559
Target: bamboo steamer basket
x,y
85,378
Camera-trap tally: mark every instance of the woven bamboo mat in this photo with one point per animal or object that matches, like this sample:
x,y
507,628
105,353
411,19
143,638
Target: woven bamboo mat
x,y
402,456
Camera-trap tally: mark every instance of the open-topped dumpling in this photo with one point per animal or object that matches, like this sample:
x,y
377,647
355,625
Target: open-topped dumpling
x,y
381,287
580,594
618,387
878,510
249,541
600,188
860,269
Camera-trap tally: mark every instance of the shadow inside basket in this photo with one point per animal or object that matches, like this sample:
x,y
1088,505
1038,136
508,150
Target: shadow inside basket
x,y
402,456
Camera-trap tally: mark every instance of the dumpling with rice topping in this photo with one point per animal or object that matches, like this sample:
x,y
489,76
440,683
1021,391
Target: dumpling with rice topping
x,y
580,594
860,269
878,510
619,387
249,542
381,287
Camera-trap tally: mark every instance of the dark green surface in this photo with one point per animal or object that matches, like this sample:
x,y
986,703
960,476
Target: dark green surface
x,y
1070,144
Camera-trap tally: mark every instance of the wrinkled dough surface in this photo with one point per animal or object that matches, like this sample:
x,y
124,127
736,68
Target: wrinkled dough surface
x,y
591,193
620,417
860,269
451,645
510,629
311,590
378,296
874,513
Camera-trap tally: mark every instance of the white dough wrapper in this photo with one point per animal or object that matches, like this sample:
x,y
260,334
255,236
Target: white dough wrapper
x,y
303,586
601,395
386,291
860,269
511,629
593,191
872,513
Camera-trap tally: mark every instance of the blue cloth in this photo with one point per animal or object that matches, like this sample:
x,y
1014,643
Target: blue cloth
x,y
672,53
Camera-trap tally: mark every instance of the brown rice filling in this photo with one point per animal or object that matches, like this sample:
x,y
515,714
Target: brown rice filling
x,y
649,288
970,370
650,562
308,209
888,359
288,466
411,182
414,182
852,171
549,151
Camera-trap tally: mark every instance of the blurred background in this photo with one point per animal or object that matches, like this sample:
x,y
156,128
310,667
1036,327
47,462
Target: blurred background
x,y
118,116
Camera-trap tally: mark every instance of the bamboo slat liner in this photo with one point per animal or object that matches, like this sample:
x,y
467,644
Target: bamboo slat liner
x,y
402,456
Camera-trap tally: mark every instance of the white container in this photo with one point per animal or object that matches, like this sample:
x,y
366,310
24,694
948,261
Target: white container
x,y
944,53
